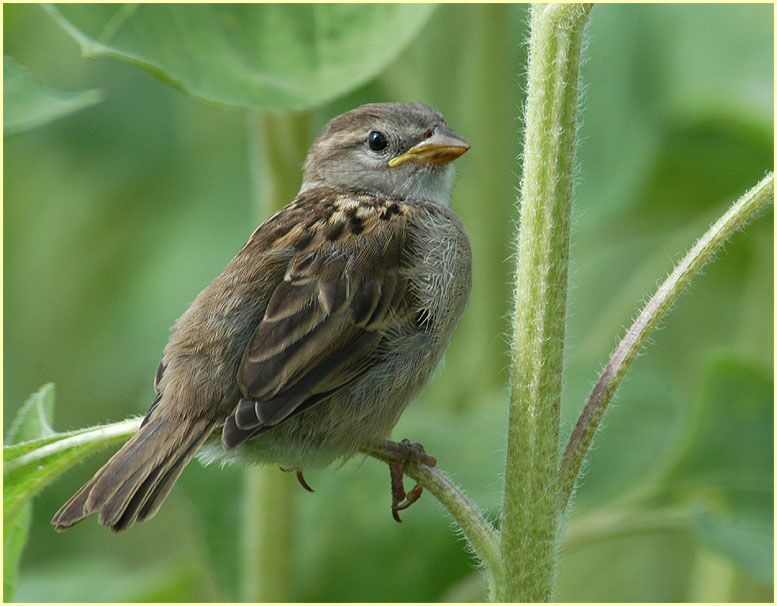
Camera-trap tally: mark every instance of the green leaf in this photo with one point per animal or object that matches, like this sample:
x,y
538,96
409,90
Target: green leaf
x,y
14,538
91,578
28,103
262,57
730,481
32,421
30,466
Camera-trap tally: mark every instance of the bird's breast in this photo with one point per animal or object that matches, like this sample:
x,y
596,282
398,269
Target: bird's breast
x,y
440,274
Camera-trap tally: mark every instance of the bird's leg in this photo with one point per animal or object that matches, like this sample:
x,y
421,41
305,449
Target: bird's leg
x,y
398,493
400,453
300,478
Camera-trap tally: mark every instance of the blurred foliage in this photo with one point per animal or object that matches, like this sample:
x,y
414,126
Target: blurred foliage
x,y
116,216
256,57
31,423
35,455
28,103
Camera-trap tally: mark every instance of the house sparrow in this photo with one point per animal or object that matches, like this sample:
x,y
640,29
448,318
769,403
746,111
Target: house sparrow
x,y
323,327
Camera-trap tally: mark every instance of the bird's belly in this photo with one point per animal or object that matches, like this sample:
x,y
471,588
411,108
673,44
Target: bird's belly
x,y
358,414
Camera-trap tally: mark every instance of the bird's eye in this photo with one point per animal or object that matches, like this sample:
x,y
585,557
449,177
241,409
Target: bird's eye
x,y
377,141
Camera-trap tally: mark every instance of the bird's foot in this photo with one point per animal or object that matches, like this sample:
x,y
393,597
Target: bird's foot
x,y
407,451
300,478
400,453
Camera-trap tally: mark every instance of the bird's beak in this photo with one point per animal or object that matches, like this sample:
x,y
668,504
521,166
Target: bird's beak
x,y
440,148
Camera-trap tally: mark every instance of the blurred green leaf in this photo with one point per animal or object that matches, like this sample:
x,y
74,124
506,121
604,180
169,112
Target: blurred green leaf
x,y
15,532
28,103
717,492
90,579
664,562
30,466
32,421
730,481
262,57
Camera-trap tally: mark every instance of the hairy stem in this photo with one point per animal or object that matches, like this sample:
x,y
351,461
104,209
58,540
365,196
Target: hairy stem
x,y
656,308
277,146
530,513
480,533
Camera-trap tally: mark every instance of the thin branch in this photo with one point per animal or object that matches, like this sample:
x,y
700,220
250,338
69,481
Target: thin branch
x,y
742,211
479,532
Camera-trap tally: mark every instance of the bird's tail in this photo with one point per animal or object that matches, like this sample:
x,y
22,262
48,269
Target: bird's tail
x,y
133,484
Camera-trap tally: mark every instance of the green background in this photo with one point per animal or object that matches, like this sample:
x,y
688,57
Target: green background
x,y
116,216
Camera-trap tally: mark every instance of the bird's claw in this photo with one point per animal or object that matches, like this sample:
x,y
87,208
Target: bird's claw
x,y
300,478
401,453
303,482
410,498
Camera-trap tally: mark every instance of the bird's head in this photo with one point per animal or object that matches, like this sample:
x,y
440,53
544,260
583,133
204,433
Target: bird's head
x,y
393,149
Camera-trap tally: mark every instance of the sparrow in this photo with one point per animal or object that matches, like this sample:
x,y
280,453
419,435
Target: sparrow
x,y
320,331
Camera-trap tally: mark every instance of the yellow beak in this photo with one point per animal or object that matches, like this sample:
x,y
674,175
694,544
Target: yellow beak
x,y
440,148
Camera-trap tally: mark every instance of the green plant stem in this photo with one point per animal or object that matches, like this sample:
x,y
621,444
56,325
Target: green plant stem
x,y
277,145
712,578
480,534
742,211
530,513
269,517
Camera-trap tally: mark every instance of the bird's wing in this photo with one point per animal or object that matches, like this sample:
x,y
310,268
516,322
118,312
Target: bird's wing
x,y
343,289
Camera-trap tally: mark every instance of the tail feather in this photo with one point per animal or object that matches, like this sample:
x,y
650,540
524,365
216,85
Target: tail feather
x,y
140,474
126,472
149,497
156,497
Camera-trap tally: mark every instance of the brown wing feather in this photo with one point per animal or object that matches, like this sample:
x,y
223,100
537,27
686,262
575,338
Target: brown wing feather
x,y
325,321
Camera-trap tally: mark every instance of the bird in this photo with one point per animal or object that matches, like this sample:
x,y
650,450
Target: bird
x,y
320,331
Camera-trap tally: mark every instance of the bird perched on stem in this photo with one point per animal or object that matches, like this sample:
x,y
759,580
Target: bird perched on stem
x,y
323,327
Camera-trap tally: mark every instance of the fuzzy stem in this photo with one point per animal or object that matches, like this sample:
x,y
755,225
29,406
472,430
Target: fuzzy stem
x,y
530,513
480,533
656,308
277,145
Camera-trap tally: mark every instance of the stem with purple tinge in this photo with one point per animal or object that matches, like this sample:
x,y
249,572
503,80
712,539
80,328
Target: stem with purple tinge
x,y
742,211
